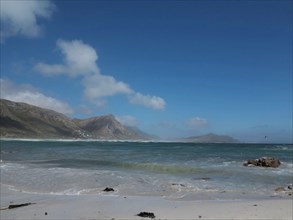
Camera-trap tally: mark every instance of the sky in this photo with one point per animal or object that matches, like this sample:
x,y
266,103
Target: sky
x,y
170,68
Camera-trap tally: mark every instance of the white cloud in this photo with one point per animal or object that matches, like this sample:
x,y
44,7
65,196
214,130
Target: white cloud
x,y
98,86
54,69
28,94
197,123
148,101
79,59
20,17
128,120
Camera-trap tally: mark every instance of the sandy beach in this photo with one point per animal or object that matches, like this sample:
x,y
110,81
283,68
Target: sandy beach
x,y
112,206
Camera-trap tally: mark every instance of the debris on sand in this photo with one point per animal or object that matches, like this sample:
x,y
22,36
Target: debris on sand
x,y
146,215
17,205
108,189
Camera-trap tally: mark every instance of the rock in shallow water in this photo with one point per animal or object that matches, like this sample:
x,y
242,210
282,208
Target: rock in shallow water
x,y
288,189
280,189
264,162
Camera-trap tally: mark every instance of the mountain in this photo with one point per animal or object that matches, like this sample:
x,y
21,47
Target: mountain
x,y
21,120
210,138
107,127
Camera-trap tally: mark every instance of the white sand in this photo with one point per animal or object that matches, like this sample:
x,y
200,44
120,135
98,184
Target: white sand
x,y
119,207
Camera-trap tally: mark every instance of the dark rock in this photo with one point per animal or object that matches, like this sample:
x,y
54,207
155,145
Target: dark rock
x,y
178,184
146,215
202,178
270,162
251,163
264,162
288,189
108,189
280,189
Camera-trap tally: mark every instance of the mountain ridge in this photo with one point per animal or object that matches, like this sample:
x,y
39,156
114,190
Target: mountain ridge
x,y
22,120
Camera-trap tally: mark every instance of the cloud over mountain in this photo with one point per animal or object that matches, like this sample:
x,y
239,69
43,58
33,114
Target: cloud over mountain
x,y
128,120
148,101
80,59
30,95
98,86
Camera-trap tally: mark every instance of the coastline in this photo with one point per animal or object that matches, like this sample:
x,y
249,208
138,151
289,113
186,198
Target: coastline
x,y
111,206
133,141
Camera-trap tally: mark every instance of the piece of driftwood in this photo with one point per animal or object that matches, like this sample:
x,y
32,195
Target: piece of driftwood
x,y
14,206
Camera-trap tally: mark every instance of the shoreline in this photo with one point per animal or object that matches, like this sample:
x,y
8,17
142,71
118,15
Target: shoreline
x,y
112,206
133,141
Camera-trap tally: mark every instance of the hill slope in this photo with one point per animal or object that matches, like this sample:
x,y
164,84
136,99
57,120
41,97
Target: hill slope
x,y
20,120
107,127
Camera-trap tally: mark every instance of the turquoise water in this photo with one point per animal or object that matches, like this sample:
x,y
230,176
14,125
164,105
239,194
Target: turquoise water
x,y
171,170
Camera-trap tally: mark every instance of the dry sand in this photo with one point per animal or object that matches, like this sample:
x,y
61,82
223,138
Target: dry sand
x,y
111,206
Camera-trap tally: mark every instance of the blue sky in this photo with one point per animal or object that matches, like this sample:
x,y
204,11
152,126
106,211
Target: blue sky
x,y
171,68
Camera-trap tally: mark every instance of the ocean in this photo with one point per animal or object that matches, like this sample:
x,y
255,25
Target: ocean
x,y
179,171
